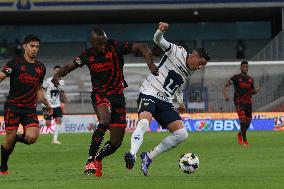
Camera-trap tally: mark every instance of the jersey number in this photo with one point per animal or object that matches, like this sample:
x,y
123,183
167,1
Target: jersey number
x,y
172,82
54,94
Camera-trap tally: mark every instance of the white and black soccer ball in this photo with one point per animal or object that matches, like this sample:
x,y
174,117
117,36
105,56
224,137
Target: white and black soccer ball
x,y
188,163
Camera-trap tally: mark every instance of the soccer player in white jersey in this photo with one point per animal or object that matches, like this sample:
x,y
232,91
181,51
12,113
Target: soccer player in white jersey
x,y
156,95
53,95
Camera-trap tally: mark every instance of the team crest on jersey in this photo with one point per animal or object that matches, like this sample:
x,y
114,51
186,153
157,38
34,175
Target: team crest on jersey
x,y
8,70
92,59
78,61
38,70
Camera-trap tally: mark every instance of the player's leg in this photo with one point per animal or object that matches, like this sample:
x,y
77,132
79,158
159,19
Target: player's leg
x,y
7,148
146,109
11,125
57,114
248,117
177,136
242,133
170,119
102,108
31,128
117,130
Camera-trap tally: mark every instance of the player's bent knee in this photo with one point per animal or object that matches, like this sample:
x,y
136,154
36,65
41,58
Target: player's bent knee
x,y
31,139
181,135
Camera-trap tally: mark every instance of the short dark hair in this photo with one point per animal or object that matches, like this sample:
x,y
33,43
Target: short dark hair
x,y
244,62
202,53
98,31
31,37
57,66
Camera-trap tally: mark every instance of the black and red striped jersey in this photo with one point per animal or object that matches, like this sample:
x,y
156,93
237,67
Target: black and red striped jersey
x,y
107,69
244,87
25,79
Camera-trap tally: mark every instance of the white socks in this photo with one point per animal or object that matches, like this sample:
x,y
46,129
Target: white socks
x,y
56,132
169,142
137,136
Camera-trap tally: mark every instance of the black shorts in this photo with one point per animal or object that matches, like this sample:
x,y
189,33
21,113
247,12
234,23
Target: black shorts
x,y
244,111
57,113
117,106
14,116
163,112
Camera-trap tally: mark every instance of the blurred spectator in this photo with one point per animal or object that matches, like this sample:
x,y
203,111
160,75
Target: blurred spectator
x,y
18,48
3,49
240,47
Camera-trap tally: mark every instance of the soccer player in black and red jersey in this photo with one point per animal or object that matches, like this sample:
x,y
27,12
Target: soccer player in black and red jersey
x,y
105,62
26,76
244,89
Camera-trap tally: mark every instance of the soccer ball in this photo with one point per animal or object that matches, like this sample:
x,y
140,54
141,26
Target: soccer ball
x,y
188,163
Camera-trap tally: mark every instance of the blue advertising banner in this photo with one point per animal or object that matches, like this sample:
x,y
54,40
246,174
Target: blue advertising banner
x,y
219,125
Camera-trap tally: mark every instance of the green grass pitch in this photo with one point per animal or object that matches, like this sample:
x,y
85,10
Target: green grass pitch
x,y
223,164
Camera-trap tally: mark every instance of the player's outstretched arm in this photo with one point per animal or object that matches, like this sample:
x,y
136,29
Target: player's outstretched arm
x,y
2,76
159,38
147,53
63,72
225,91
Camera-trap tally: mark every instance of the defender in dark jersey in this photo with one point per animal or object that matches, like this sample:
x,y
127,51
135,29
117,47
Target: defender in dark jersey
x,y
244,89
26,76
105,62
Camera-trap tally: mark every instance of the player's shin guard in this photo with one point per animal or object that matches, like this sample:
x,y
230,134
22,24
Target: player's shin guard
x,y
137,135
107,150
5,154
97,139
169,142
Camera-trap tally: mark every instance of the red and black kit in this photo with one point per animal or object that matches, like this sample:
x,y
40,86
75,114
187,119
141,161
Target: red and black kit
x,y
244,89
25,80
107,77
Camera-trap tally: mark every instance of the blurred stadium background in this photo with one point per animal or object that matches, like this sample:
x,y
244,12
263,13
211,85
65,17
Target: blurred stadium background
x,y
255,27
219,26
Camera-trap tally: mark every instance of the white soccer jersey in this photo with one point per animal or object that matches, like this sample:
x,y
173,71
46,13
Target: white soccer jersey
x,y
172,74
52,93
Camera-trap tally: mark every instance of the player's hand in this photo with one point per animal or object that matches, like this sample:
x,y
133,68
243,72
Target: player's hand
x,y
181,108
163,26
154,69
55,80
49,111
257,89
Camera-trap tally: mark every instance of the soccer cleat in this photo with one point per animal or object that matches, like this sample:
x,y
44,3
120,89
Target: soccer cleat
x,y
55,142
146,161
89,168
245,143
129,160
240,138
4,172
98,168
